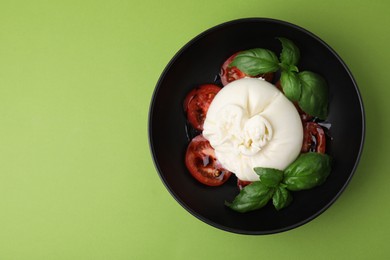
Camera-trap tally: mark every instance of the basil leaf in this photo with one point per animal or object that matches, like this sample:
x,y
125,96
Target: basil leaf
x,y
269,177
307,171
254,196
291,85
290,53
293,68
314,96
256,61
281,198
288,68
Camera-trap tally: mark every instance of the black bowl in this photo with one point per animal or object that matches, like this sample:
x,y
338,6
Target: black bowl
x,y
199,62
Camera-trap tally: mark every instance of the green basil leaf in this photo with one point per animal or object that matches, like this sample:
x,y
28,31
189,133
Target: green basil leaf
x,y
269,177
288,67
254,196
314,96
307,171
281,198
256,61
290,53
291,85
293,68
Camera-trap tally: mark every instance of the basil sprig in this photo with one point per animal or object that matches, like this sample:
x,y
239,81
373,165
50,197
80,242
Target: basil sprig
x,y
314,95
269,177
291,85
256,61
307,88
254,196
281,198
306,172
290,53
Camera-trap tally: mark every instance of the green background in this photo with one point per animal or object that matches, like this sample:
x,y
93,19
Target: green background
x,y
76,176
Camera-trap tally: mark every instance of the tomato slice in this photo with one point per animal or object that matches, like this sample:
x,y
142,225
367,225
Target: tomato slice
x,y
314,138
203,165
197,103
241,184
229,74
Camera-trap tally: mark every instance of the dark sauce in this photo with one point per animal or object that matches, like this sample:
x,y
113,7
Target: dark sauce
x,y
190,131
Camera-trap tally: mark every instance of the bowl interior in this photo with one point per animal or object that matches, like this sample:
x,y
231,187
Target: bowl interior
x,y
199,62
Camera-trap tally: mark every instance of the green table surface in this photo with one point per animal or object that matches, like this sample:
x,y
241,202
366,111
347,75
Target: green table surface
x,y
77,180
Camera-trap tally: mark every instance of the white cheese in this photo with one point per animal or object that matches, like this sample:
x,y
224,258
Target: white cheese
x,y
250,123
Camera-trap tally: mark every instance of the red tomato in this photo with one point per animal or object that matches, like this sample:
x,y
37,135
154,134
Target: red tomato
x,y
201,162
304,116
241,184
278,85
197,103
313,138
233,73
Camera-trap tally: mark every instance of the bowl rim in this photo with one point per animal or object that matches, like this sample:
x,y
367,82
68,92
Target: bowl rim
x,y
167,69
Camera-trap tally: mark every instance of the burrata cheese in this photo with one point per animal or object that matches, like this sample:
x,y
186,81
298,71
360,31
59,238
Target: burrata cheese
x,y
250,123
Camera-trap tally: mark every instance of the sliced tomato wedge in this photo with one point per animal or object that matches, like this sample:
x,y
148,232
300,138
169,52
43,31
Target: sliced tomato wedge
x,y
229,74
197,102
314,138
203,165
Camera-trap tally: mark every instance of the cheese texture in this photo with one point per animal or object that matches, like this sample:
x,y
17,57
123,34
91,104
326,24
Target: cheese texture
x,y
250,123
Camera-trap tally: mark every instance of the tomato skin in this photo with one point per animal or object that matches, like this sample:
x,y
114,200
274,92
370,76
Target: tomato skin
x,y
197,103
313,130
189,98
241,184
202,164
229,74
304,116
